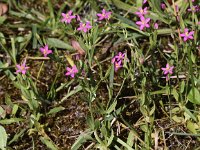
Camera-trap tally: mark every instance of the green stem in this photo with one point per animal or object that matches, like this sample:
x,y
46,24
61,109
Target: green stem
x,y
39,71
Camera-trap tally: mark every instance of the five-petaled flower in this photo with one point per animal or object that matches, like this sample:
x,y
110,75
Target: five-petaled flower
x,y
194,8
143,23
104,14
168,70
84,26
67,17
45,50
22,68
187,35
141,12
71,71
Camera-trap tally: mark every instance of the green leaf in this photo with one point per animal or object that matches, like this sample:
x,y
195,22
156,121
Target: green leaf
x,y
175,94
130,138
76,90
182,86
3,138
55,110
48,143
110,139
81,139
17,136
2,19
194,96
193,57
124,6
10,121
124,144
112,107
53,42
189,113
191,127
2,112
14,109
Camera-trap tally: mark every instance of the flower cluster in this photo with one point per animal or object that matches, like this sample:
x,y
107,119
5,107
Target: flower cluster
x,y
117,60
144,22
85,27
168,70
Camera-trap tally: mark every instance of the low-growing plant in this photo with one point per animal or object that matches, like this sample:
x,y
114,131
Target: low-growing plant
x,y
135,64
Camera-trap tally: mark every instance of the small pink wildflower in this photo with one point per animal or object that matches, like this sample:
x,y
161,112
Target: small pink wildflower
x,y
187,35
22,68
104,14
194,8
45,50
143,23
117,60
84,27
168,71
118,65
141,12
120,56
71,71
144,1
155,25
163,6
67,17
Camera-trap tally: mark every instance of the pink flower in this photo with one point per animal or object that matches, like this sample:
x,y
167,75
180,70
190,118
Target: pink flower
x,y
118,65
194,8
143,23
168,69
117,60
187,35
84,27
71,71
45,50
120,56
104,15
163,6
67,17
155,25
22,68
144,1
141,12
